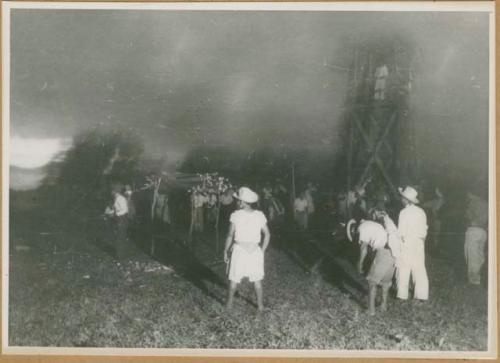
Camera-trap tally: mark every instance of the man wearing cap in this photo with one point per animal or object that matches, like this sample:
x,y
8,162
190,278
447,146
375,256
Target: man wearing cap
x,y
247,256
412,226
373,234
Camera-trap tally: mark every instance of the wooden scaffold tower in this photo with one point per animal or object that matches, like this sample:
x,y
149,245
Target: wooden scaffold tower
x,y
381,129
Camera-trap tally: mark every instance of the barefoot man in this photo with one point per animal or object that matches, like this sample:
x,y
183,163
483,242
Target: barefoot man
x,y
374,235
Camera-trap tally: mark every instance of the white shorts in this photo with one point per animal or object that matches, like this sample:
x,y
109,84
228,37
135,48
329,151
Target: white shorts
x,y
246,264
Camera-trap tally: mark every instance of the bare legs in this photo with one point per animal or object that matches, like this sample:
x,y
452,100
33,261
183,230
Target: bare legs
x,y
230,297
385,292
372,294
258,292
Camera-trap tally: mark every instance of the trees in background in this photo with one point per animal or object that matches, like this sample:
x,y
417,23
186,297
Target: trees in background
x,y
97,160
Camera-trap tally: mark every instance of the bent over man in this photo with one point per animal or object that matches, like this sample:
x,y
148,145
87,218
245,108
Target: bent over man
x,y
373,234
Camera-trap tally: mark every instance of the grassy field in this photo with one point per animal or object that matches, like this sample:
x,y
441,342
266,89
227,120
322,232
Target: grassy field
x,y
66,290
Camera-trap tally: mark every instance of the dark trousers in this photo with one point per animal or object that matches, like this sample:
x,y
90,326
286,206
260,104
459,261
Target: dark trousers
x,y
120,227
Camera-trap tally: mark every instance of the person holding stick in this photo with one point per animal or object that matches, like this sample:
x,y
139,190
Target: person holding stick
x,y
242,251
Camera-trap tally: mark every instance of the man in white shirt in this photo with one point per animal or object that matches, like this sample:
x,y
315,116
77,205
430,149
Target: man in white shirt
x,y
118,213
412,226
300,211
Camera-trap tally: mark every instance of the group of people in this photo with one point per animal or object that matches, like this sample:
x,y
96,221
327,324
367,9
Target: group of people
x,y
204,207
399,249
249,237
274,203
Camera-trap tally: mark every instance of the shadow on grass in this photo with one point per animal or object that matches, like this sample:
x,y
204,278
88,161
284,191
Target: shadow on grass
x,y
341,274
331,256
170,249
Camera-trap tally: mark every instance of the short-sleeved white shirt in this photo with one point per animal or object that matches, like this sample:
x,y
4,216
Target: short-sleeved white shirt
x,y
120,205
248,225
373,234
301,205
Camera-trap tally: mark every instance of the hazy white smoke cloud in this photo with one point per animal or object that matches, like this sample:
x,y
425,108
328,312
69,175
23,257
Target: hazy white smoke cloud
x,y
31,153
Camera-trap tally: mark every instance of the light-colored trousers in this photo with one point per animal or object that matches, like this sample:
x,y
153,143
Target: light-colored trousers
x,y
475,243
412,263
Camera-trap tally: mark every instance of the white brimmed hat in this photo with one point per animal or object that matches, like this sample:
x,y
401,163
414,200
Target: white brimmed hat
x,y
246,195
348,228
409,193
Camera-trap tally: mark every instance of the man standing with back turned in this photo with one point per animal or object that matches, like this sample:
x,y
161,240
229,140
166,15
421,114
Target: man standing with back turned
x,y
412,227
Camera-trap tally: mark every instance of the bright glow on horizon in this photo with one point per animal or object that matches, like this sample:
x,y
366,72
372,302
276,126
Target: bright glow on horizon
x,y
30,153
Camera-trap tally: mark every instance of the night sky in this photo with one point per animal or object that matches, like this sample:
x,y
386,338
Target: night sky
x,y
243,79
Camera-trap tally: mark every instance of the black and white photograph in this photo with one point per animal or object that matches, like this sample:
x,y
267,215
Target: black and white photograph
x,y
287,179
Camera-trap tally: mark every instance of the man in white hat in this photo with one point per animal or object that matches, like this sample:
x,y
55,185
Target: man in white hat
x,y
412,226
247,257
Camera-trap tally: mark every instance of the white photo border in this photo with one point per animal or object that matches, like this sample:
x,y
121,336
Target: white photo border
x,y
452,6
